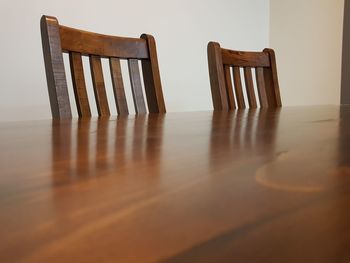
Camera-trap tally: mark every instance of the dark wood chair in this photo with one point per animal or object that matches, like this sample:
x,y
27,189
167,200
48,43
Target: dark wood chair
x,y
57,39
224,96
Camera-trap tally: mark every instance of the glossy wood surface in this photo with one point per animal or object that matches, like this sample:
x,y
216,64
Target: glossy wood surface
x,y
263,185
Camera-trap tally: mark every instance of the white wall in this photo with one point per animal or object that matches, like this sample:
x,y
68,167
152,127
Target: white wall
x,y
182,29
307,38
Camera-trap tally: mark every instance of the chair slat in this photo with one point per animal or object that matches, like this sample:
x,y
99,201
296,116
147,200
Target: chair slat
x,y
248,78
259,72
79,86
99,86
238,88
229,88
136,87
118,86
268,87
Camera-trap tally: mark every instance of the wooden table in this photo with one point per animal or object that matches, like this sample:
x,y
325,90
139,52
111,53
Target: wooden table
x,y
246,186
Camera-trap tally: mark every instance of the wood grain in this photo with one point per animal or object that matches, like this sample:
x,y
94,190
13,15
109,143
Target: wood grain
x,y
245,58
216,76
257,185
151,78
238,88
271,80
248,80
229,87
260,82
54,67
79,86
136,86
99,86
118,86
89,43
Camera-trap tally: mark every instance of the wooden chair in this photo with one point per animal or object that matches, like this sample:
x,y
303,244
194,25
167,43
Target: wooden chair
x,y
57,39
224,97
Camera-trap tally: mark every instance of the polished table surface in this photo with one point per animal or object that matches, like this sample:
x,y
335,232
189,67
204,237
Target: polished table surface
x,y
244,186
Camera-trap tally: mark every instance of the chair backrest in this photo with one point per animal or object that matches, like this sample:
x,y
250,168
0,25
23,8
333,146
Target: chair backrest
x,y
224,96
57,39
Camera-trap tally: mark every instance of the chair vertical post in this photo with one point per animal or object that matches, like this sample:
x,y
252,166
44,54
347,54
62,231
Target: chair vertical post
x,y
54,67
216,74
271,81
151,78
